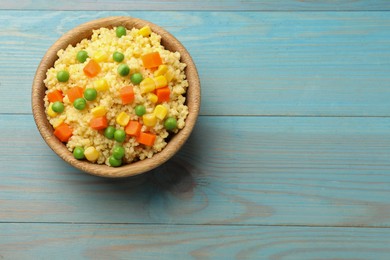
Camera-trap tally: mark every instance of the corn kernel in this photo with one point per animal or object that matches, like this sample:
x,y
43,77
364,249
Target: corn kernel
x,y
149,119
99,111
100,56
137,52
169,76
160,81
145,31
160,112
147,85
162,69
50,111
123,119
152,98
57,122
91,154
100,85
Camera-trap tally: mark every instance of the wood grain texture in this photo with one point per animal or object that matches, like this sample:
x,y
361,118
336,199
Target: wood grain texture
x,y
233,170
289,158
191,5
274,63
53,241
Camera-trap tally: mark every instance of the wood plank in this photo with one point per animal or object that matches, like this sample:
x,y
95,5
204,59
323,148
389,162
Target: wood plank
x,y
278,63
233,170
51,241
192,5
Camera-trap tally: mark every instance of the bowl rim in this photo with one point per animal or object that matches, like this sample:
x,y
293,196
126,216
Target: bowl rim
x,y
83,31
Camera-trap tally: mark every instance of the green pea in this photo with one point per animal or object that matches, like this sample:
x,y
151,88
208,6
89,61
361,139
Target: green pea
x,y
63,76
78,153
58,107
136,78
123,70
82,56
140,110
118,152
170,123
109,132
120,135
79,103
117,56
114,162
120,31
90,94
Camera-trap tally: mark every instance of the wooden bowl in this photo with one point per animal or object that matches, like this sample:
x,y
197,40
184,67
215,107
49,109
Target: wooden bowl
x,y
73,37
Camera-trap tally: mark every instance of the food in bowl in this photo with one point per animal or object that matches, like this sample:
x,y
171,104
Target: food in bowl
x,y
117,97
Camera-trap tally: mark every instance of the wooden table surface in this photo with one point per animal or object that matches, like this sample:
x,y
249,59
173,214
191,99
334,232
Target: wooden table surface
x,y
290,158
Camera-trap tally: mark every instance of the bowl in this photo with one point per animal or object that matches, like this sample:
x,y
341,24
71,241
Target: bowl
x,y
73,37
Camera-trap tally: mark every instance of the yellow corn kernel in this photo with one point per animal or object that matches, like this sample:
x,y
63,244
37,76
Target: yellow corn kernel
x,y
137,52
91,154
145,31
160,81
123,119
100,56
160,112
152,98
147,85
50,111
99,111
162,69
169,76
57,122
149,119
100,85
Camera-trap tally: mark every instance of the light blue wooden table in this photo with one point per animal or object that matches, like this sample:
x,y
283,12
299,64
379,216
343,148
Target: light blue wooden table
x,y
290,158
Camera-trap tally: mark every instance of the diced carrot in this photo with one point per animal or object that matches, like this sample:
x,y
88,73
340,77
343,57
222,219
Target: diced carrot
x,y
63,132
55,95
75,93
146,138
127,94
133,128
98,123
163,94
92,69
151,60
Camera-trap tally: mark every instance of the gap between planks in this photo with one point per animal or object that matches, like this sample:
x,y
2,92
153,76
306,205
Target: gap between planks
x,y
199,11
195,224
